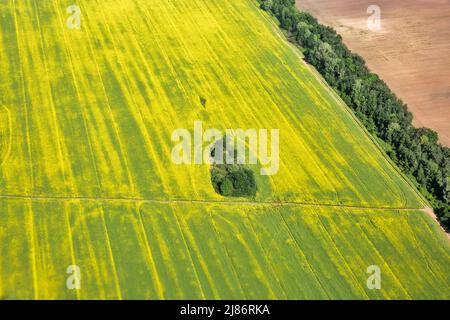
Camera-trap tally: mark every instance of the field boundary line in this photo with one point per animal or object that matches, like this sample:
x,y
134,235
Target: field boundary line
x,y
200,201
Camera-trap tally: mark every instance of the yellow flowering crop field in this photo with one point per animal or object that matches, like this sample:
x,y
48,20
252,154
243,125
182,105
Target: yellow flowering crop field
x,y
87,176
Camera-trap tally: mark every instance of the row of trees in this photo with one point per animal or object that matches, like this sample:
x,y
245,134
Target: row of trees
x,y
415,150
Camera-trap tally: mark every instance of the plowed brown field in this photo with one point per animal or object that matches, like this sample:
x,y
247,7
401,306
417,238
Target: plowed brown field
x,y
411,51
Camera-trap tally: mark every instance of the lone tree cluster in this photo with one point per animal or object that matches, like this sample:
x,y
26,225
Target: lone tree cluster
x,y
232,180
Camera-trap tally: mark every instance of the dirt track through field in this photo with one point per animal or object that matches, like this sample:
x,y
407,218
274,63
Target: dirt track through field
x,y
410,52
200,201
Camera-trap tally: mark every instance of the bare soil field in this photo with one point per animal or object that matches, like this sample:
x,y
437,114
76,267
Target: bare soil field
x,y
411,51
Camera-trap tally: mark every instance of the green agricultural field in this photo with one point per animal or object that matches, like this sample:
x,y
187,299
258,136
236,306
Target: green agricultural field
x,y
87,177
136,250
